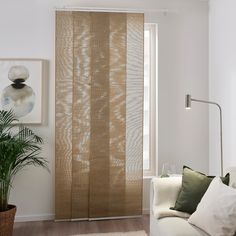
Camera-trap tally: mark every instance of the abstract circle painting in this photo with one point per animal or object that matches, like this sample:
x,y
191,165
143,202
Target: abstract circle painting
x,y
18,96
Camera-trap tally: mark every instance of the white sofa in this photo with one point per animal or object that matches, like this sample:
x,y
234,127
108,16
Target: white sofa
x,y
165,222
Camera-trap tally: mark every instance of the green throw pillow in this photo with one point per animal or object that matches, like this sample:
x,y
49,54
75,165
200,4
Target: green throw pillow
x,y
194,186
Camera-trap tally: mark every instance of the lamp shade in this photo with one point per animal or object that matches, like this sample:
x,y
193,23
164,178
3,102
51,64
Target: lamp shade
x,y
188,101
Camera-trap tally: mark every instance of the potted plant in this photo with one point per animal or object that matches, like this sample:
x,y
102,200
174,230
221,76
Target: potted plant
x,y
19,147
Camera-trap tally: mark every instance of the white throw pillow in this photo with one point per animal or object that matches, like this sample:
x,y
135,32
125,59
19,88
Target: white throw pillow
x,y
232,181
216,212
166,191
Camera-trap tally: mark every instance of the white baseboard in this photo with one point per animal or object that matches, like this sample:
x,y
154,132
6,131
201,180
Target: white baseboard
x,y
34,218
46,217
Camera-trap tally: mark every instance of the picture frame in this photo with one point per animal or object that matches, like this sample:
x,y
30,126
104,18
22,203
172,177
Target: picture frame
x,y
21,88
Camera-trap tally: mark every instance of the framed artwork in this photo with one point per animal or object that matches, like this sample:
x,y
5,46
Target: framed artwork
x,y
21,88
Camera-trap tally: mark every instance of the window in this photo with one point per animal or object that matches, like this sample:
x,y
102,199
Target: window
x,y
150,95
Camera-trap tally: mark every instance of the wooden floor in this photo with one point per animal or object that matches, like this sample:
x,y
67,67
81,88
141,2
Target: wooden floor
x,y
50,228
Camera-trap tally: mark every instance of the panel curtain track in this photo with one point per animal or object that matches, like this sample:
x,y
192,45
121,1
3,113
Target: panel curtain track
x,y
116,10
99,114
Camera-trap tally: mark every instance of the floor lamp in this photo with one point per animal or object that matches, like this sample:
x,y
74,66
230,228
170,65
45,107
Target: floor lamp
x,y
188,101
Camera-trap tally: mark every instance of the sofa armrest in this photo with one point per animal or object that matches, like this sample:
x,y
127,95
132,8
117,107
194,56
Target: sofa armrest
x,y
164,192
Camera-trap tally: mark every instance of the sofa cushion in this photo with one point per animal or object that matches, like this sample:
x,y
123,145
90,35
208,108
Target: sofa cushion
x,y
232,181
165,192
194,185
176,226
216,213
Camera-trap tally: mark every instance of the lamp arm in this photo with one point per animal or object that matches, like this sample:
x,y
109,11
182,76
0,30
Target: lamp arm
x,y
221,127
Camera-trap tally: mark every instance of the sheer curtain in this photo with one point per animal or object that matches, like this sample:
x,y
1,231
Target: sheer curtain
x,y
99,114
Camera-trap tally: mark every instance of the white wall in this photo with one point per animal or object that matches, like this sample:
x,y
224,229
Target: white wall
x,y
27,31
222,80
183,68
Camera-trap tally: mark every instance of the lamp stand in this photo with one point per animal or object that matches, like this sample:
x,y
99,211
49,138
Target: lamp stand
x,y
188,105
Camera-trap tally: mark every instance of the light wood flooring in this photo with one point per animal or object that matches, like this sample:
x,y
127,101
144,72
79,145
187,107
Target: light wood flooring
x,y
51,228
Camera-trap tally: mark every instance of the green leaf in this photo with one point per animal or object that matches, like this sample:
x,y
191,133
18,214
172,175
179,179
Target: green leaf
x,y
19,147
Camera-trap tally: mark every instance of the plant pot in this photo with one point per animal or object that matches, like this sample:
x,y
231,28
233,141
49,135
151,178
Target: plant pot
x,y
7,221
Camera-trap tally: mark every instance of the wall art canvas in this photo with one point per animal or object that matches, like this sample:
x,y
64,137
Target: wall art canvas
x,y
21,88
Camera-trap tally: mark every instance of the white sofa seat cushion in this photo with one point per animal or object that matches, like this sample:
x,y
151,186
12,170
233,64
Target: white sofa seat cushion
x,y
176,226
165,193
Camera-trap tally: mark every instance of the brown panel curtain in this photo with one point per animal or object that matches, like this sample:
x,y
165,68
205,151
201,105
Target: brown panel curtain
x,y
99,114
